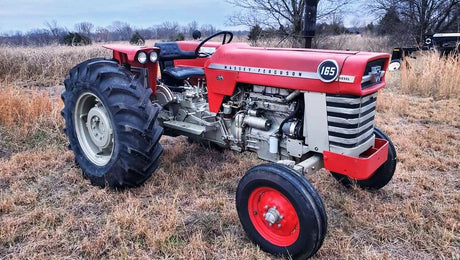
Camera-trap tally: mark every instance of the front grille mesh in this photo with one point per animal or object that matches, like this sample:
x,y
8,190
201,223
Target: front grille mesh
x,y
350,119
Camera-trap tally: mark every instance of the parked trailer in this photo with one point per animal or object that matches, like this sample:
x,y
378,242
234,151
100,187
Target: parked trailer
x,y
445,43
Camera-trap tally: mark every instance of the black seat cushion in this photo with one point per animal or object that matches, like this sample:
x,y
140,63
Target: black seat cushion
x,y
170,51
182,73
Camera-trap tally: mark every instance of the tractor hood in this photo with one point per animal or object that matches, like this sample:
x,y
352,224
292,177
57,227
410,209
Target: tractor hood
x,y
325,71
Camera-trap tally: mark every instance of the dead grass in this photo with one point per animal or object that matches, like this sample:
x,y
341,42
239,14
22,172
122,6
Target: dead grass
x,y
351,42
44,66
354,42
29,118
431,76
186,210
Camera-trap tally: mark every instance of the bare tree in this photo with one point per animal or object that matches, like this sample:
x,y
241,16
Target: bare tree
x,y
102,35
423,17
84,28
168,30
122,30
55,30
283,15
53,27
191,27
208,29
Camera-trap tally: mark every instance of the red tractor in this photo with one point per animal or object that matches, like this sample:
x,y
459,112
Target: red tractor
x,y
300,109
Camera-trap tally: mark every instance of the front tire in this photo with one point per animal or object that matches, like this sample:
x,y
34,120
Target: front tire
x,y
281,211
110,123
382,175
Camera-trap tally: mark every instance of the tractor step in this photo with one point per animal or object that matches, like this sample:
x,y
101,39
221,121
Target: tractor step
x,y
185,127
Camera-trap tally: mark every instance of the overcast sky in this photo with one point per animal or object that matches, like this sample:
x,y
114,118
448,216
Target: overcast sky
x,y
24,15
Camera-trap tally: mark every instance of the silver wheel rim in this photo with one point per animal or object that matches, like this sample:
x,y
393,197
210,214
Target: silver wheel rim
x,y
94,129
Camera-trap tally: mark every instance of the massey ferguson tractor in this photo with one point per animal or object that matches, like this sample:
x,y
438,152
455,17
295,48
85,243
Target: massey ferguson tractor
x,y
300,109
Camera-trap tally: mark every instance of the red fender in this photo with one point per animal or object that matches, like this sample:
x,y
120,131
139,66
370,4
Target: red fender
x,y
126,54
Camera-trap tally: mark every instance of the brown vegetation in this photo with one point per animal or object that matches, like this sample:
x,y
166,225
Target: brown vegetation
x,y
186,210
431,76
44,66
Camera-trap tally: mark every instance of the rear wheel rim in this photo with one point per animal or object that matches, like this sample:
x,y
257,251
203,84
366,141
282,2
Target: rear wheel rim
x,y
273,216
94,129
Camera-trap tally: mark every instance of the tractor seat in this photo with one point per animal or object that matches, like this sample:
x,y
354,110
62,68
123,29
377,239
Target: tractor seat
x,y
170,51
182,73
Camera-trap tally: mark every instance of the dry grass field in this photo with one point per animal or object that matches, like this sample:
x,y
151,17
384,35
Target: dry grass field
x,y
186,210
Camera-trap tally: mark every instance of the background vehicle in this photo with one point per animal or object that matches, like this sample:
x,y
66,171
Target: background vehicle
x,y
300,109
445,43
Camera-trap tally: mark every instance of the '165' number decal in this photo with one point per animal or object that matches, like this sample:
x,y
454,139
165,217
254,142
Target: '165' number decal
x,y
328,70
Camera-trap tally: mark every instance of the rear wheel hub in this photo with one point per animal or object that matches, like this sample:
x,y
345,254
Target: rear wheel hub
x,y
99,129
93,127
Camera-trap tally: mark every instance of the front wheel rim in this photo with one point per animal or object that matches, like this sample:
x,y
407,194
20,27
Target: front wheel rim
x,y
94,129
273,216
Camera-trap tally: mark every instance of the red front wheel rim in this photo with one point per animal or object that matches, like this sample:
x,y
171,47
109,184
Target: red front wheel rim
x,y
273,216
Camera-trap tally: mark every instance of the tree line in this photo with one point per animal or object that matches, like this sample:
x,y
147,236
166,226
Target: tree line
x,y
405,21
85,33
413,20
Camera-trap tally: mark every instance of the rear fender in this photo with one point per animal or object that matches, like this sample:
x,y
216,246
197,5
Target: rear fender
x,y
126,56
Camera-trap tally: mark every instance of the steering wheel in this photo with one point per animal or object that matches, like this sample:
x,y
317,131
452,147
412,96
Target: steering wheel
x,y
224,41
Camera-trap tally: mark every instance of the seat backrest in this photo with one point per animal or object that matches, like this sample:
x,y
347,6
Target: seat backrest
x,y
170,51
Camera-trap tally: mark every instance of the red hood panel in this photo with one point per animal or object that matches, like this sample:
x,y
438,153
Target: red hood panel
x,y
285,68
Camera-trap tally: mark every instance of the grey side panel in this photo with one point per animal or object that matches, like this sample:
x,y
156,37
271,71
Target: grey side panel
x,y
315,122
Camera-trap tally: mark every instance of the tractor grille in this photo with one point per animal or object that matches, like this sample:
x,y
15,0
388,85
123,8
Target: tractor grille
x,y
350,119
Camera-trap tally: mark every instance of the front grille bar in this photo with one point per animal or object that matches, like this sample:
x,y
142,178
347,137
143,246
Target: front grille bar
x,y
350,119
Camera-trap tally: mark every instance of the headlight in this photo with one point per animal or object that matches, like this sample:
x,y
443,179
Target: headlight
x,y
142,57
153,56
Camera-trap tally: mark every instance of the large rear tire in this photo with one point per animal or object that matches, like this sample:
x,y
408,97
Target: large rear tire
x,y
111,124
382,175
281,211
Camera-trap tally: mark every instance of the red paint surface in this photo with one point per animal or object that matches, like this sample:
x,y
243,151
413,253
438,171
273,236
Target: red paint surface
x,y
284,235
126,54
191,46
305,60
358,168
222,83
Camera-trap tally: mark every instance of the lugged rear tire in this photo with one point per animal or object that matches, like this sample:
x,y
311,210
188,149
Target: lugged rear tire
x,y
122,116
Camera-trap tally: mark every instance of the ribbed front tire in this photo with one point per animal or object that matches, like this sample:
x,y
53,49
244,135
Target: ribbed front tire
x,y
281,211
